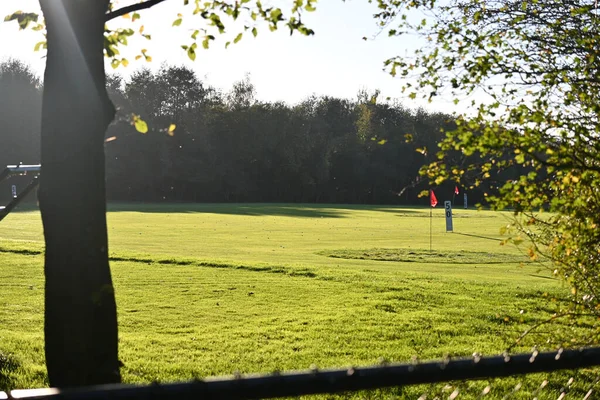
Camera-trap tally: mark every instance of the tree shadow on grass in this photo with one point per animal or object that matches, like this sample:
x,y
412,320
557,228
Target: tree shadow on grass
x,y
8,365
258,209
498,239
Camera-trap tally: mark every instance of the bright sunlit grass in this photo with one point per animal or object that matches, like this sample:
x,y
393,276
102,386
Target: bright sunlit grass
x,y
213,289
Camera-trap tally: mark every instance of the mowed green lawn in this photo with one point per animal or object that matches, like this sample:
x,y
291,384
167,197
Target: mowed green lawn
x,y
207,290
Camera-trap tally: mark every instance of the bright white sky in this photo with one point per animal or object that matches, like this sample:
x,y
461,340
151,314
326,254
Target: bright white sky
x,y
335,61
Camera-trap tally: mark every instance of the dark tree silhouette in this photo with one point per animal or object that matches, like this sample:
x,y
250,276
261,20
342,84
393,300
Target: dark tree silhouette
x,y
80,311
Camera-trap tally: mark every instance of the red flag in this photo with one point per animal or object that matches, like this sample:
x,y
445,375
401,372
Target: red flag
x,y
433,199
455,189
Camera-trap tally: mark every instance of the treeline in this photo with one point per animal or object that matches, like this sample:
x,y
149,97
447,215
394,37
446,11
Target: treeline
x,y
231,147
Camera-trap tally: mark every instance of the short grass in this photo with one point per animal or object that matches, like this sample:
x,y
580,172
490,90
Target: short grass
x,y
429,256
207,290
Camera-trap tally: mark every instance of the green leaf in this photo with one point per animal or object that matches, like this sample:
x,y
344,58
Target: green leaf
x,y
276,15
191,52
177,22
238,38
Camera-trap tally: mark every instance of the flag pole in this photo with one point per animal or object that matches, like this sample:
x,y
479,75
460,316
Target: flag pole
x,y
432,203
454,195
430,225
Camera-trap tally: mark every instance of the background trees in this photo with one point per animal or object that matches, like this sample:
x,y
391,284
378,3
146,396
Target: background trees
x,y
228,146
20,105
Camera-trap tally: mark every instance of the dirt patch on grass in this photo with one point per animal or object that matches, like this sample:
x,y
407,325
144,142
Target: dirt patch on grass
x,y
426,256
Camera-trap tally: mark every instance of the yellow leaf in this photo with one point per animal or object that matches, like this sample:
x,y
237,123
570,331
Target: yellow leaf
x,y
39,45
140,125
171,130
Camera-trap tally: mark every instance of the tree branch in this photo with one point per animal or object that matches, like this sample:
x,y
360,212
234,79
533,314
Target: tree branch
x,y
132,8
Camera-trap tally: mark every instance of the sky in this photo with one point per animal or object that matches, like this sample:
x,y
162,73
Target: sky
x,y
336,61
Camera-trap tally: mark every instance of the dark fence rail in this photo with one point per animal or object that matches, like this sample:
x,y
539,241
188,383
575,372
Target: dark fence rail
x,y
329,381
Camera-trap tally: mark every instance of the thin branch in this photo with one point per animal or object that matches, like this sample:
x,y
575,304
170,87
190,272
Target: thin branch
x,y
131,8
554,317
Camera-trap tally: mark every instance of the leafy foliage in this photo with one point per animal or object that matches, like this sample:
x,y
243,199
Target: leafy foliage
x,y
535,64
20,107
212,14
229,146
24,19
204,144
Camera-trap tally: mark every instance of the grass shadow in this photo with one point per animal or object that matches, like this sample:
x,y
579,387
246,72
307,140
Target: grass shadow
x,y
300,210
478,236
424,256
259,209
8,366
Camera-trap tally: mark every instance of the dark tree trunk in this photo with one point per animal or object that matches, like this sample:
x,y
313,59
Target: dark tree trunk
x,y
80,313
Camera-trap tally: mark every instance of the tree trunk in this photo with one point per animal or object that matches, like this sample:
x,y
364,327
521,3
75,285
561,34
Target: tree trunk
x,y
80,314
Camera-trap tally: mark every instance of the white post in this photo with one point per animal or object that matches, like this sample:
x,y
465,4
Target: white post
x,y
14,191
448,208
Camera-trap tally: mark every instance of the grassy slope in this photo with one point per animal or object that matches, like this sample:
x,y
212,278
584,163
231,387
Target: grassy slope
x,y
212,289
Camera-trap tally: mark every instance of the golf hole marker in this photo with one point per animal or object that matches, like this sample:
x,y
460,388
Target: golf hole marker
x,y
448,209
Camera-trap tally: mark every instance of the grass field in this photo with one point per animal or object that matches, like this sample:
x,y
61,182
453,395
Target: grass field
x,y
208,290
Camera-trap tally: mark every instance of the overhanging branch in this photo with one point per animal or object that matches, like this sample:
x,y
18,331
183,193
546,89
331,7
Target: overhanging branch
x,y
132,8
